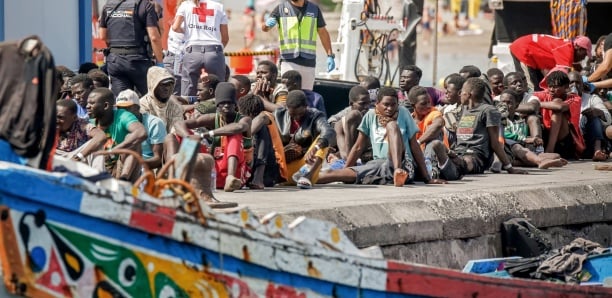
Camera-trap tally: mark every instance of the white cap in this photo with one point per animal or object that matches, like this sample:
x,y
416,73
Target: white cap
x,y
127,98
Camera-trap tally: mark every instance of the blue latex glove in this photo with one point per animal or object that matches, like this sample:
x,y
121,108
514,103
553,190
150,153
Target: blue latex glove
x,y
331,64
160,64
585,81
271,22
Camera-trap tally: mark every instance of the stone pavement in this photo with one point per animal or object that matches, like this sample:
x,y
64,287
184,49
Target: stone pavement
x,y
447,225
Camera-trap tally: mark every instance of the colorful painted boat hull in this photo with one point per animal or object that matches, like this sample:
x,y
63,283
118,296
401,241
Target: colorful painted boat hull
x,y
62,236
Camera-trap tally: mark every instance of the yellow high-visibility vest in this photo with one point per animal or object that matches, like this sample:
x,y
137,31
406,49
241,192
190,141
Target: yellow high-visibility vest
x,y
298,38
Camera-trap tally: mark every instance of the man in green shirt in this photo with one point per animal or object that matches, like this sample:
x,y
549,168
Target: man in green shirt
x,y
123,131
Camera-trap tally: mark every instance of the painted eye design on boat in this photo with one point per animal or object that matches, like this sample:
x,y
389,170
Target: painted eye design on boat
x,y
127,272
167,292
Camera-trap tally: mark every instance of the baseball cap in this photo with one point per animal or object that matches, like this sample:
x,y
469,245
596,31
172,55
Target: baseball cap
x,y
127,98
585,43
225,93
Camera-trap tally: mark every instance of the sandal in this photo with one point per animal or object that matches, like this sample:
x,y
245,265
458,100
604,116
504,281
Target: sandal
x,y
599,155
253,186
216,204
304,183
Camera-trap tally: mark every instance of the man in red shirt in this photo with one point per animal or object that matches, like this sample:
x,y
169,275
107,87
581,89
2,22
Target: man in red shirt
x,y
538,54
560,112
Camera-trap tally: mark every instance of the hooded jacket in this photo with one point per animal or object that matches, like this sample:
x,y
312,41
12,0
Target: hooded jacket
x,y
313,125
169,112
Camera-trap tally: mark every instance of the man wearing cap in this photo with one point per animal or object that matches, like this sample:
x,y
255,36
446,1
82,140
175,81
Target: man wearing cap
x,y
159,100
537,54
229,133
153,146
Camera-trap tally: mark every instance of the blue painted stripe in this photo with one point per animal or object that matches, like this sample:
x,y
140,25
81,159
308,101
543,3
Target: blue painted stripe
x,y
1,20
85,39
42,188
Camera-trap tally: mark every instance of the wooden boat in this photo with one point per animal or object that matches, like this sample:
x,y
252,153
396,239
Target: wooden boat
x,y
65,236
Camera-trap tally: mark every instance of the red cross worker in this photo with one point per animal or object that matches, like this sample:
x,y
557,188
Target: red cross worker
x,y
204,24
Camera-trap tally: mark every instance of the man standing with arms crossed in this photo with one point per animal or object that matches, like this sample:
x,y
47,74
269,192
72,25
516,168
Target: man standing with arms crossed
x,y
128,26
299,23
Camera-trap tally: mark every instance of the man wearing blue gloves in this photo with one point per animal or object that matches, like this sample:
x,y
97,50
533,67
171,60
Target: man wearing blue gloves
x,y
298,38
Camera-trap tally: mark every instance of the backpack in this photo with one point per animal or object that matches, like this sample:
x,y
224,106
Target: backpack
x,y
27,99
521,238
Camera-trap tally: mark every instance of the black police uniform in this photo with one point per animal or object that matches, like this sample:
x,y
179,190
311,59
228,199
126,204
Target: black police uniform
x,y
128,59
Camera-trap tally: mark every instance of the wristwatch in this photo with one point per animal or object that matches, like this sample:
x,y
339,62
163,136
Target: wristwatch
x,y
332,55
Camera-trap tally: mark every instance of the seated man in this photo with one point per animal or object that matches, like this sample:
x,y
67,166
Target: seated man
x,y
293,80
410,76
305,135
477,137
123,131
269,158
496,80
428,119
392,133
242,84
227,130
347,124
451,111
560,112
206,96
594,118
159,101
522,142
153,146
80,86
77,137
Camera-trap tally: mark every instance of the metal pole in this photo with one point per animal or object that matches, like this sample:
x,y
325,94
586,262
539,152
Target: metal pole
x,y
435,45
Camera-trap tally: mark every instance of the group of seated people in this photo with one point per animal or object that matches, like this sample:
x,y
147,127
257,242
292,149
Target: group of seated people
x,y
265,133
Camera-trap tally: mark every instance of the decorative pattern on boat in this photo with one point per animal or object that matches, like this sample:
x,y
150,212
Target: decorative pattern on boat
x,y
63,236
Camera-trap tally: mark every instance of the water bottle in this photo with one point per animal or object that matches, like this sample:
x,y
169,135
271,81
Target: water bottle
x,y
213,180
303,171
428,166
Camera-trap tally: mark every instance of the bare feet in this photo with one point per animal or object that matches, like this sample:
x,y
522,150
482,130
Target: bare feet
x,y
548,163
600,156
399,177
232,183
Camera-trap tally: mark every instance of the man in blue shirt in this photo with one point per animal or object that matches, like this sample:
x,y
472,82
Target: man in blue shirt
x,y
397,155
152,147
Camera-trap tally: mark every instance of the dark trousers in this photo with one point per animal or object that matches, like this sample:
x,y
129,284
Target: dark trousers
x,y
128,72
592,132
264,155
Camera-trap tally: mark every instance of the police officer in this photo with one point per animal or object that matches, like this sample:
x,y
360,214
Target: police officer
x,y
206,34
297,21
129,27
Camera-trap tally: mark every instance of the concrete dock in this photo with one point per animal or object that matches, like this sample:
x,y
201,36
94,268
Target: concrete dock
x,y
447,225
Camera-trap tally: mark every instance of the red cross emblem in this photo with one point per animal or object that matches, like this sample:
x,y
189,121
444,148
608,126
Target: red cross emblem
x,y
203,12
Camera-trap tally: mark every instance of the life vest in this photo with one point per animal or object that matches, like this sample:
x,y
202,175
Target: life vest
x,y
298,37
125,29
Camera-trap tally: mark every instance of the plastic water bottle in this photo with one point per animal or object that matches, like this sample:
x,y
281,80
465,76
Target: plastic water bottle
x,y
213,180
303,171
428,166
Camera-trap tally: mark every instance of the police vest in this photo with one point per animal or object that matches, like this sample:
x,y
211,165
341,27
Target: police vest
x,y
124,28
298,38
